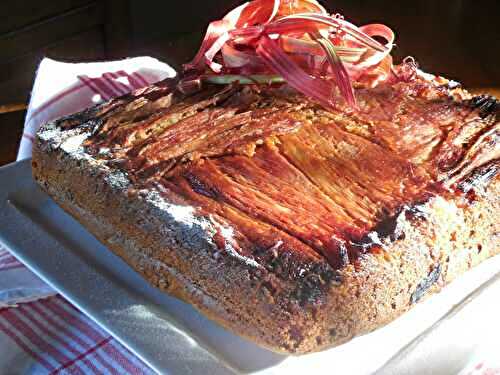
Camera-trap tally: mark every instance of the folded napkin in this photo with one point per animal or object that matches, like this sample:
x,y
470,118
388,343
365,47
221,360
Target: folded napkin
x,y
64,88
61,89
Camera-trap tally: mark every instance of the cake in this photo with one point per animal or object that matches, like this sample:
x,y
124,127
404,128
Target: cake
x,y
295,224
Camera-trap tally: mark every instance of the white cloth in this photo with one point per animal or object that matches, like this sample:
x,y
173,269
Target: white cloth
x,y
61,89
64,88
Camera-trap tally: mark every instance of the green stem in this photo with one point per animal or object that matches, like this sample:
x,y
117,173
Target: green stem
x,y
225,79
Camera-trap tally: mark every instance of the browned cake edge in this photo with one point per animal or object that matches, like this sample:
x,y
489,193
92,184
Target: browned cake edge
x,y
173,252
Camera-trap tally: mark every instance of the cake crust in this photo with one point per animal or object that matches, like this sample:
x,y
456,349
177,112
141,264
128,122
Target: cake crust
x,y
300,296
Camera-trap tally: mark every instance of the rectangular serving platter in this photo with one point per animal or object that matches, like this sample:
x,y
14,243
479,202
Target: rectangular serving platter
x,y
172,337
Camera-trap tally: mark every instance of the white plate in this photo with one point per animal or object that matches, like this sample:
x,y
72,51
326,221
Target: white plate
x,y
172,337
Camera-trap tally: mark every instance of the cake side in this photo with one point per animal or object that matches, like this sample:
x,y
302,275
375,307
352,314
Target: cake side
x,y
272,284
174,249
454,237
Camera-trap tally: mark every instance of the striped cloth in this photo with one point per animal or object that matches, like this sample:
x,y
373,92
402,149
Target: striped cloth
x,y
50,336
40,332
64,88
8,261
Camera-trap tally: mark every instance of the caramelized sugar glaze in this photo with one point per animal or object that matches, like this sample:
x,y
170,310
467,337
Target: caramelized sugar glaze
x,y
276,172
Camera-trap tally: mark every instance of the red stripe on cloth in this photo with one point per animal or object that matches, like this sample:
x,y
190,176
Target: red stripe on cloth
x,y
8,258
107,82
140,78
137,362
25,331
123,357
55,99
37,307
95,87
11,315
16,337
133,81
8,261
103,85
6,255
127,87
81,356
11,267
29,313
74,319
87,328
110,79
88,83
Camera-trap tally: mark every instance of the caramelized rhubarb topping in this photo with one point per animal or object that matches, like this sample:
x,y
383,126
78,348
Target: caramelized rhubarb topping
x,y
278,173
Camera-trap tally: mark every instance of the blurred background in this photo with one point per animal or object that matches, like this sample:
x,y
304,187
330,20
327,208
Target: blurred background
x,y
455,38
